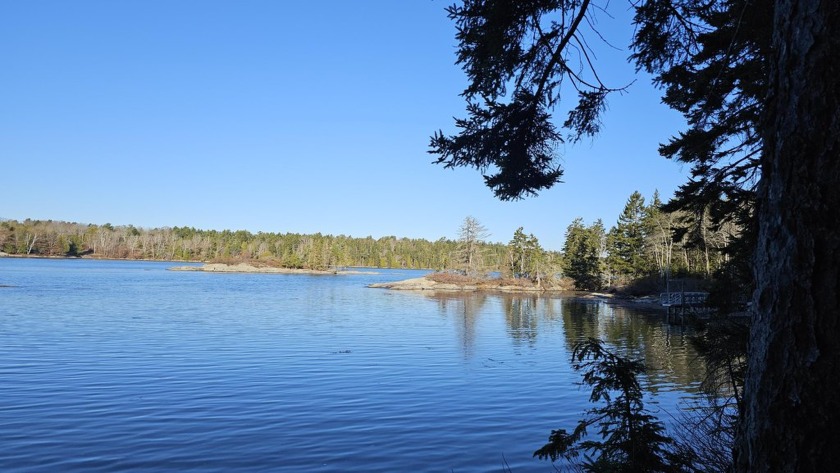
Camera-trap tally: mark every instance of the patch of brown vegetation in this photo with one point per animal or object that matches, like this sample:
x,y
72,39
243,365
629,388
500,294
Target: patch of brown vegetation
x,y
462,280
257,263
454,278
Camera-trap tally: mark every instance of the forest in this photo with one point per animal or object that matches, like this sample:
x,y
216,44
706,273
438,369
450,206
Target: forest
x,y
66,239
645,244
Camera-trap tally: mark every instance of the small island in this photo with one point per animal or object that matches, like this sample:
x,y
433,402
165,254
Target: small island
x,y
460,283
455,282
257,268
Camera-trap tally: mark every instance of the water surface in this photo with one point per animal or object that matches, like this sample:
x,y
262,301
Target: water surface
x,y
125,366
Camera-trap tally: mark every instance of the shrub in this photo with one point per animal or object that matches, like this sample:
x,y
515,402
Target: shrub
x,y
631,439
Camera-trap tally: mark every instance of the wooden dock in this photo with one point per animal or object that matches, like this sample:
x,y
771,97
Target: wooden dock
x,y
683,303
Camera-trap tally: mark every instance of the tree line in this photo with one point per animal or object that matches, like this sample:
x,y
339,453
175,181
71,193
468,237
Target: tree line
x,y
650,242
292,250
646,241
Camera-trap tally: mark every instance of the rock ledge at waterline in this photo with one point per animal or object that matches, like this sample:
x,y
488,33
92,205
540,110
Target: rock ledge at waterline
x,y
248,268
426,284
503,286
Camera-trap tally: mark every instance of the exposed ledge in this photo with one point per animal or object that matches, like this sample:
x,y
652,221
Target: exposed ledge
x,y
249,268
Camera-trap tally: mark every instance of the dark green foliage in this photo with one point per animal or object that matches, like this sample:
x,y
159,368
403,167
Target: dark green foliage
x,y
526,257
712,59
582,254
756,81
517,140
722,343
626,241
629,439
520,45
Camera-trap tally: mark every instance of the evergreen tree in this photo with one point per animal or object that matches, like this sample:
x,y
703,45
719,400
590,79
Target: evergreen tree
x,y
526,256
582,254
517,249
632,440
626,241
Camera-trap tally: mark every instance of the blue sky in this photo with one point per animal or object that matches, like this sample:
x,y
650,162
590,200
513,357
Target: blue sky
x,y
282,116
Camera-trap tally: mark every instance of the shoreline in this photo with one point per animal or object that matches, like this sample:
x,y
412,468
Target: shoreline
x,y
97,258
423,284
200,265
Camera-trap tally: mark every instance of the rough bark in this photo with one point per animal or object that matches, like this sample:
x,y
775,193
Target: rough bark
x,y
791,420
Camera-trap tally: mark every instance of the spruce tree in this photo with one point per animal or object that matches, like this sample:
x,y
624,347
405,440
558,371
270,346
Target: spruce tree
x,y
582,254
626,241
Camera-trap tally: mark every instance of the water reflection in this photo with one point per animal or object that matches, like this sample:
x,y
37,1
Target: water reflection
x,y
669,357
636,333
521,316
465,311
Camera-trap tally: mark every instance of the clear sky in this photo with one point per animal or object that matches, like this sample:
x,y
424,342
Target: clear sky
x,y
282,116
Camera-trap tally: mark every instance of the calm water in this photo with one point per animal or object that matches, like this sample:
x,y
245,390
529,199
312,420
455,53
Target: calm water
x,y
124,366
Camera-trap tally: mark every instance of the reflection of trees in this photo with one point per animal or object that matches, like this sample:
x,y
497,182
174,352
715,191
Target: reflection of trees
x,y
521,317
664,348
523,314
580,321
464,309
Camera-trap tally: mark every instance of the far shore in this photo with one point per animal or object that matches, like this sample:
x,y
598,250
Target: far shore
x,y
95,257
200,265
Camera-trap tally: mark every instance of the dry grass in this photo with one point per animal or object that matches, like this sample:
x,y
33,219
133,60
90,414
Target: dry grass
x,y
269,262
454,278
487,283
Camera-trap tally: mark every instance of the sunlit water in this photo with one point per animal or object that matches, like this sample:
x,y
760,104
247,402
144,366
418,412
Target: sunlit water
x,y
125,366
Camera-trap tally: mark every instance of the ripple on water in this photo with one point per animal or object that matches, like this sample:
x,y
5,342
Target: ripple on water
x,y
113,366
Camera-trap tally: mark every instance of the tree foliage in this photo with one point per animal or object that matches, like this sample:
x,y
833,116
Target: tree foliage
x,y
712,59
654,239
583,253
626,241
531,47
527,259
315,251
629,438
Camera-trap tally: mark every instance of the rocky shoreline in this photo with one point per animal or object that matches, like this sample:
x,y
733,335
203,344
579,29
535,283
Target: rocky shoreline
x,y
248,268
425,284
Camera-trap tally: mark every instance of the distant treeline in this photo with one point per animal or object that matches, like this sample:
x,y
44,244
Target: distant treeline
x,y
56,238
647,244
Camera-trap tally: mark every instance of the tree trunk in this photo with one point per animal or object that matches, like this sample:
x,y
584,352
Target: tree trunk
x,y
791,419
